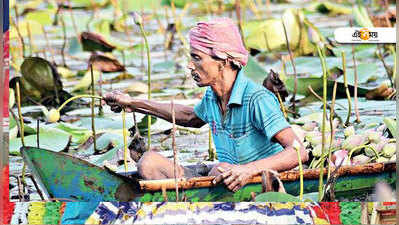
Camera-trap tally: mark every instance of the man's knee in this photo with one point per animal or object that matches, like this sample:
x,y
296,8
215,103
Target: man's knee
x,y
147,164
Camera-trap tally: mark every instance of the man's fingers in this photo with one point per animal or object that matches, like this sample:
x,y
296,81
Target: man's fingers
x,y
217,179
221,176
231,179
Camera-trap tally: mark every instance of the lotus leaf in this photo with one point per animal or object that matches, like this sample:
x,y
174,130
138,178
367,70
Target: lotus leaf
x,y
49,138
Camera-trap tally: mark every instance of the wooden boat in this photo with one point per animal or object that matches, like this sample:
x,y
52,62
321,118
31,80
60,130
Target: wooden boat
x,y
65,177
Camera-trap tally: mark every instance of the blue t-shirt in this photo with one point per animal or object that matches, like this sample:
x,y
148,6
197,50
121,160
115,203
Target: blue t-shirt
x,y
252,118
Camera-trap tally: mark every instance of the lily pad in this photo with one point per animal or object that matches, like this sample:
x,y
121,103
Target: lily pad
x,y
329,8
105,141
79,134
143,124
85,82
34,27
50,138
276,197
44,17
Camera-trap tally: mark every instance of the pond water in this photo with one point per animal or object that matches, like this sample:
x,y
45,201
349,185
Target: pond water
x,y
168,77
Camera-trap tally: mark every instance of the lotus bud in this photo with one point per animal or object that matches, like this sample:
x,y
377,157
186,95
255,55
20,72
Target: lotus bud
x,y
309,126
360,159
341,156
309,136
317,151
316,140
381,128
389,150
349,131
382,160
369,152
53,115
374,136
138,20
354,141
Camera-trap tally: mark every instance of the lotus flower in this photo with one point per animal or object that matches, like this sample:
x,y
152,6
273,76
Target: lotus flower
x,y
349,131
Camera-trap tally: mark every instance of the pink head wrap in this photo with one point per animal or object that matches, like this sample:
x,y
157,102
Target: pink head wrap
x,y
221,38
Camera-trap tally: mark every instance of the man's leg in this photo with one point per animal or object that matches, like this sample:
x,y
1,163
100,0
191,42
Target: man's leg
x,y
154,166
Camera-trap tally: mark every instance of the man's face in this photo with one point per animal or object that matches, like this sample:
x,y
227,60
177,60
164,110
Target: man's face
x,y
205,70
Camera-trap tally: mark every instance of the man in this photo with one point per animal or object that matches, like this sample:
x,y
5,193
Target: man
x,y
248,128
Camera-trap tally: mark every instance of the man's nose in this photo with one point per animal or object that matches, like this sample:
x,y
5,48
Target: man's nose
x,y
190,65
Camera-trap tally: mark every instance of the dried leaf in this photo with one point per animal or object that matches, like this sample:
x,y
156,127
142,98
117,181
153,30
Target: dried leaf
x,y
95,42
105,63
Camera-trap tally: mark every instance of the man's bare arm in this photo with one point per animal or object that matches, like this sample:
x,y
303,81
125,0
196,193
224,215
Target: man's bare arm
x,y
284,160
184,115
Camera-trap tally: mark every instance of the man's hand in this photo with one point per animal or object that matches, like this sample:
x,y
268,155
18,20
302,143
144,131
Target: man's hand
x,y
236,177
118,100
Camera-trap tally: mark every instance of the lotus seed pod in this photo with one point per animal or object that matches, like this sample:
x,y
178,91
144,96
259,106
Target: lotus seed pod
x,y
360,159
309,126
53,116
389,150
349,131
382,160
137,18
354,141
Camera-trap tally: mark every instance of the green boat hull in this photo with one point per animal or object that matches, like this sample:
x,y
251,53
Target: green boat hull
x,y
65,177
348,187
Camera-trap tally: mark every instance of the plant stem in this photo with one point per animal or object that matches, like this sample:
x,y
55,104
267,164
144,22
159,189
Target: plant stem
x,y
124,131
210,148
64,40
355,92
100,107
92,108
72,17
331,127
29,38
297,148
76,97
323,127
21,119
239,19
22,130
148,81
48,44
172,105
293,66
281,103
360,147
37,133
348,95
